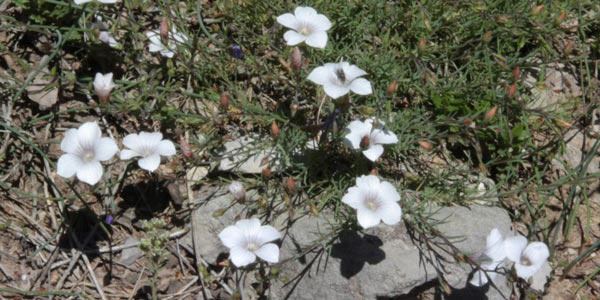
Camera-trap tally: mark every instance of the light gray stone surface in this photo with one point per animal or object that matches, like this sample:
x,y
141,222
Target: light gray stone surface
x,y
245,155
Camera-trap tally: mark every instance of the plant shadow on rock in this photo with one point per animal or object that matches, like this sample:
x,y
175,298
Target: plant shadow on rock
x,y
84,225
146,199
355,250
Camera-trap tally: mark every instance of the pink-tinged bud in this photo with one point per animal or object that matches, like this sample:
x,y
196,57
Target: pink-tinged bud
x,y
185,148
491,113
468,121
421,45
297,58
502,19
425,145
374,172
275,129
103,85
163,29
560,17
487,37
391,89
266,172
516,73
290,185
562,123
224,101
314,210
536,10
512,90
568,49
238,191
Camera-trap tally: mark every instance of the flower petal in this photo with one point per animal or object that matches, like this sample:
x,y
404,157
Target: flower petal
x,y
388,192
107,1
494,246
267,234
368,182
293,38
335,91
321,75
354,197
268,252
390,213
133,142
305,13
241,257
248,226
383,137
105,149
361,86
128,154
352,72
525,272
479,279
232,237
537,253
82,1
90,172
374,152
88,135
317,39
68,164
367,218
321,22
150,162
288,20
70,143
513,247
352,140
166,148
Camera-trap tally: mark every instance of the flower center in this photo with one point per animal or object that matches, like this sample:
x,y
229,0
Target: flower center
x,y
365,142
305,30
88,156
251,247
525,261
341,77
371,201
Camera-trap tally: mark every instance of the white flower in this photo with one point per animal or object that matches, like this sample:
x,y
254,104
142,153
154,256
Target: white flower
x,y
150,146
528,260
101,1
85,148
156,43
103,84
248,239
339,78
238,191
307,25
495,253
374,201
362,135
107,38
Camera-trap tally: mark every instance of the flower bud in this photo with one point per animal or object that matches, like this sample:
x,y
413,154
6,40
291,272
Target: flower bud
x,y
516,73
266,172
275,129
487,37
429,78
290,185
568,49
185,148
560,17
425,145
562,123
314,210
421,45
491,113
96,32
510,93
536,10
163,29
218,213
502,19
373,172
224,101
296,58
236,51
238,191
103,85
293,108
391,89
262,202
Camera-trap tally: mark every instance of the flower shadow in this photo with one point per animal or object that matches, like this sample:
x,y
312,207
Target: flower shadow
x,y
83,231
355,250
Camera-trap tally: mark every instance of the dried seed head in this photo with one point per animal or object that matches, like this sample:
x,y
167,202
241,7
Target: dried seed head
x,y
266,172
425,145
487,37
536,10
512,90
185,147
290,185
561,17
516,73
421,45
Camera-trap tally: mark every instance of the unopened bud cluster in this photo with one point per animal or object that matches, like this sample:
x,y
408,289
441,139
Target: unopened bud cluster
x,y
156,242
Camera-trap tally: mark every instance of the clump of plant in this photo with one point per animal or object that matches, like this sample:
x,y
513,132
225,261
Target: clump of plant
x,y
155,249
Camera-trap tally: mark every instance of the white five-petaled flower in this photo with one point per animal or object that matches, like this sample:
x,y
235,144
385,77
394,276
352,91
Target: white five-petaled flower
x,y
339,78
150,146
107,38
101,1
248,239
103,84
528,258
362,135
168,49
308,26
374,201
494,254
85,148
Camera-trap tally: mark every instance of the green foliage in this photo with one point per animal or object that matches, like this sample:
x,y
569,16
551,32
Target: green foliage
x,y
45,12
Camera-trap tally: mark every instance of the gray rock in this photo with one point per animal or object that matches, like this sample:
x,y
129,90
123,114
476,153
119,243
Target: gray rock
x,y
381,262
131,254
245,155
540,278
